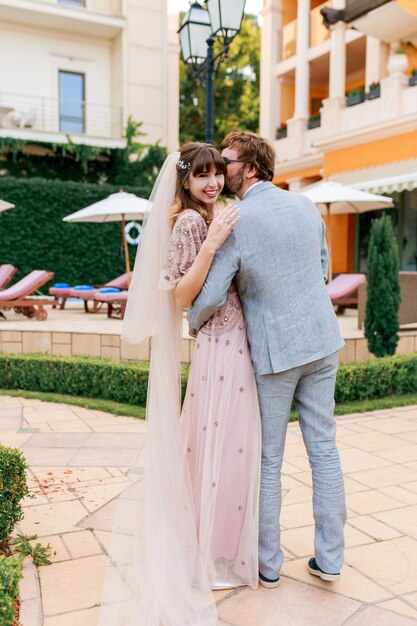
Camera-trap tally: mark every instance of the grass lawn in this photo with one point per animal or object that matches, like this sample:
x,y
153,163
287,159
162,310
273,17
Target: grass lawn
x,y
117,408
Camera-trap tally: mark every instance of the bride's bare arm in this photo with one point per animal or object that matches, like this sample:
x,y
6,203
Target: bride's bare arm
x,y
188,288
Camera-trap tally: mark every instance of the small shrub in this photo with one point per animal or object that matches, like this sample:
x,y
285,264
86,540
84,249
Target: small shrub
x,y
13,488
384,294
376,379
10,575
25,545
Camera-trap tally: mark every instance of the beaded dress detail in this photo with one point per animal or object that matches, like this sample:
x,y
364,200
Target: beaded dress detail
x,y
220,425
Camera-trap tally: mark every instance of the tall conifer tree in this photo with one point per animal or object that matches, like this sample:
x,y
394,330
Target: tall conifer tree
x,y
384,296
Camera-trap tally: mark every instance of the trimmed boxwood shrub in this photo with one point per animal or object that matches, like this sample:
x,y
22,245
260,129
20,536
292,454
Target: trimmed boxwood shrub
x,y
127,382
13,488
10,575
384,292
376,379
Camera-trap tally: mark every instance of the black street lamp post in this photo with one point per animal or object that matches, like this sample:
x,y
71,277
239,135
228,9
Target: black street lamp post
x,y
222,18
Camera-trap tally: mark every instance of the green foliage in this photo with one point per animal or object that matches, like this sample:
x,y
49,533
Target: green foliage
x,y
24,545
82,376
236,90
376,378
137,164
33,235
127,382
13,489
360,91
384,294
10,575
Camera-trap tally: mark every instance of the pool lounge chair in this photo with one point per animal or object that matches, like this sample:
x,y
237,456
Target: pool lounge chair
x,y
7,271
116,301
18,297
63,291
343,290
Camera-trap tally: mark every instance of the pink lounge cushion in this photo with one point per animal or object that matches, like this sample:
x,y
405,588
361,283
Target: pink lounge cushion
x,y
84,294
344,285
7,271
25,286
62,292
111,297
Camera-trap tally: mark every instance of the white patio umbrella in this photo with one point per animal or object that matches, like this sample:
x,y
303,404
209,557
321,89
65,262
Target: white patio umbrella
x,y
115,208
5,205
335,199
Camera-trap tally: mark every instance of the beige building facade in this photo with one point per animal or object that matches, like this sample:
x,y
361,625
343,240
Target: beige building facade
x,y
82,67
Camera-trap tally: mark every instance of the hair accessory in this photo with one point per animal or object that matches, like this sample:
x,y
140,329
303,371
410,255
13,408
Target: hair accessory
x,y
183,165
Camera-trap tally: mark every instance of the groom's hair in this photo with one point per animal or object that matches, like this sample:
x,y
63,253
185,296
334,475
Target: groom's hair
x,y
252,149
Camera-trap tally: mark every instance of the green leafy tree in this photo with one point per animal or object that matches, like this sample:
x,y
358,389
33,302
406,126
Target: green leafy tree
x,y
236,89
384,296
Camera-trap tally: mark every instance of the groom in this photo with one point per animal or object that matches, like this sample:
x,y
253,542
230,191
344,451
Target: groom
x,y
277,254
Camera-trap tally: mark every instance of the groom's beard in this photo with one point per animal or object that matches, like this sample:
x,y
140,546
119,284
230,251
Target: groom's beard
x,y
233,183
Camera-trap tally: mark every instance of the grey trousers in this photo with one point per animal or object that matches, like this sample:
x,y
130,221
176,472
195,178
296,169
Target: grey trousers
x,y
312,387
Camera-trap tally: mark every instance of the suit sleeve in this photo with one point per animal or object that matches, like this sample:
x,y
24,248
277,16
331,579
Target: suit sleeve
x,y
324,252
213,295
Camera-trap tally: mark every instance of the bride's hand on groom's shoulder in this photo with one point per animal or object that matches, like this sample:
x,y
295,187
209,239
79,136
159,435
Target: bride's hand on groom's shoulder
x,y
223,223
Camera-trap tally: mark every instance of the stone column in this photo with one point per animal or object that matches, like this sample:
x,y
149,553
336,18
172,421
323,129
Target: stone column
x,y
270,92
302,71
298,124
376,60
333,105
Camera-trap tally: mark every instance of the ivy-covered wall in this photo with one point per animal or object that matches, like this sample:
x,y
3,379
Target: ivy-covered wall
x,y
33,235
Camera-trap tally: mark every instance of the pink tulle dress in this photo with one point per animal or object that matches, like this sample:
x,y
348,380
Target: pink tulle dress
x,y
220,425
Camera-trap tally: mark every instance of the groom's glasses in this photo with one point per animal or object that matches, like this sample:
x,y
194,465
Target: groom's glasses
x,y
227,161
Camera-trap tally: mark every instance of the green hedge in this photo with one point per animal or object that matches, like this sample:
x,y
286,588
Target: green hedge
x,y
127,382
13,488
10,575
120,381
378,378
33,235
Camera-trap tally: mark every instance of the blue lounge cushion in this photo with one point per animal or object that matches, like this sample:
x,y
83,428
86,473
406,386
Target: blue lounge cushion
x,y
109,290
61,285
84,287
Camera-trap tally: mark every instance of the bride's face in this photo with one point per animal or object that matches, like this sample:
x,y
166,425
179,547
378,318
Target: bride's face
x,y
206,186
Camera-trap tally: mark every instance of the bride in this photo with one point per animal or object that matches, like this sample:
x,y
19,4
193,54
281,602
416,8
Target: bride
x,y
189,524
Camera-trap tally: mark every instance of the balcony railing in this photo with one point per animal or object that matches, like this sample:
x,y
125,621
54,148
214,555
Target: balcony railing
x,y
318,32
102,7
47,115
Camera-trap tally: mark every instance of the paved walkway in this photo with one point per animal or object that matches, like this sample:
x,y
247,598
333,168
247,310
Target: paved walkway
x,y
78,460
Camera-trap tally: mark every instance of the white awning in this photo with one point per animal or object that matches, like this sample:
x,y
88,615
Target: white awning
x,y
387,178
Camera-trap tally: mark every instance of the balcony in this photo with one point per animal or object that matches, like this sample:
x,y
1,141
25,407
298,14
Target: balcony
x,y
318,32
102,18
396,106
48,119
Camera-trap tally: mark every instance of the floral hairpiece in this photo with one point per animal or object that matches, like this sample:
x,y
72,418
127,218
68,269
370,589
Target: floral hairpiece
x,y
183,165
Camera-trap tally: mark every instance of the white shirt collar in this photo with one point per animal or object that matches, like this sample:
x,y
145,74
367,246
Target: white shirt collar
x,y
252,187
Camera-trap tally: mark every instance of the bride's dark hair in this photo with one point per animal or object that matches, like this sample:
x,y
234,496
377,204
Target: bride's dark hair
x,y
194,158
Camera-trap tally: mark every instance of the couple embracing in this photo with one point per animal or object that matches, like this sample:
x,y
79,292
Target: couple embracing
x,y
204,514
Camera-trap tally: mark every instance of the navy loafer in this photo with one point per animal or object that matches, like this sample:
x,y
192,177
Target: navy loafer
x,y
269,583
314,569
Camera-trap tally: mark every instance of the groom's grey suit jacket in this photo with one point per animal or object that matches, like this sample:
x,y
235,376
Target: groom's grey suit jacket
x,y
278,254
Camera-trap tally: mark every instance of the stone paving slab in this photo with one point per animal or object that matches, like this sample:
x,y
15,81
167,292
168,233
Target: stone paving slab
x,y
79,460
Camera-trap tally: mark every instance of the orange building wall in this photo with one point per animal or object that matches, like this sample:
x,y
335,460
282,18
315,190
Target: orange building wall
x,y
365,155
343,233
287,101
372,153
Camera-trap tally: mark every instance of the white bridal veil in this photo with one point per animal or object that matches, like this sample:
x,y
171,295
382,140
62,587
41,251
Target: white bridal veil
x,y
156,576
